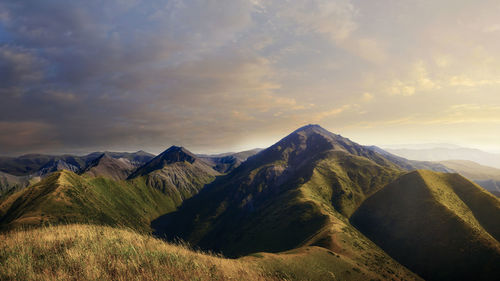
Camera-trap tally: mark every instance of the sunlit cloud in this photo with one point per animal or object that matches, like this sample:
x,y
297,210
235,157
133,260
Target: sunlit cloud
x,y
127,75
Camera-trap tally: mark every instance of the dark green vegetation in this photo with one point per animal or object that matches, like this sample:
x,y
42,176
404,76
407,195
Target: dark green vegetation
x,y
296,193
314,206
441,226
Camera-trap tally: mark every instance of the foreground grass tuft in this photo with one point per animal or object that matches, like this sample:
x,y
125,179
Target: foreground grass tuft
x,y
86,252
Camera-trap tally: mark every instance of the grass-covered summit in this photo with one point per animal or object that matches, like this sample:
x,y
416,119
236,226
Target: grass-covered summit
x,y
65,197
441,226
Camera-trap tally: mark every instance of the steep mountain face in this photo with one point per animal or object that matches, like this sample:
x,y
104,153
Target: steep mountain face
x,y
176,172
297,193
10,182
227,162
65,197
441,226
109,167
57,165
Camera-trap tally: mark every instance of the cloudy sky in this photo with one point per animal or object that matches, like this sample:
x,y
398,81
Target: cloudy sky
x,y
226,75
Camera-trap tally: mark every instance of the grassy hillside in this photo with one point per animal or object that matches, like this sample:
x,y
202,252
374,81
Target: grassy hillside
x,y
65,197
441,226
297,193
89,252
81,252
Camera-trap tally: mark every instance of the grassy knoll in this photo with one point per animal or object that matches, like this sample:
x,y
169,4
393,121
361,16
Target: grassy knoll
x,y
86,252
64,197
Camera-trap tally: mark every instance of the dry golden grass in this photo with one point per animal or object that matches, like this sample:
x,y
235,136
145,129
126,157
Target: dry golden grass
x,y
86,252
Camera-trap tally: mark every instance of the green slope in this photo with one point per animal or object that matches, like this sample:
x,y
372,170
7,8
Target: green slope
x,y
441,226
297,193
65,197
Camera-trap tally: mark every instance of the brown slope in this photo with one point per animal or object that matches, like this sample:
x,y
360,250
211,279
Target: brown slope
x,y
176,172
441,226
108,167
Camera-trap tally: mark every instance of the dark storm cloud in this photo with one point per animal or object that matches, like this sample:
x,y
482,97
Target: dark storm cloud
x,y
217,75
97,73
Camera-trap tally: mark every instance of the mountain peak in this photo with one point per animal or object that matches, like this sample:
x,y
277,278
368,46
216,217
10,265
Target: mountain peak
x,y
311,128
173,154
177,154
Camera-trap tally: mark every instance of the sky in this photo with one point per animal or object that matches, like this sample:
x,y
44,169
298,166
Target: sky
x,y
229,75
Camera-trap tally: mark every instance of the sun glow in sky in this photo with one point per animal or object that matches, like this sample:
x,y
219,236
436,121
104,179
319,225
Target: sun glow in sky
x,y
213,76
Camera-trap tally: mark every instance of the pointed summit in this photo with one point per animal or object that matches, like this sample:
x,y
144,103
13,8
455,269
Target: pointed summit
x,y
177,154
312,140
176,172
312,128
174,154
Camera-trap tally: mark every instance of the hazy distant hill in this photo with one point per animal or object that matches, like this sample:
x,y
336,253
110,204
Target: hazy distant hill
x,y
487,177
226,162
441,226
410,165
447,153
42,165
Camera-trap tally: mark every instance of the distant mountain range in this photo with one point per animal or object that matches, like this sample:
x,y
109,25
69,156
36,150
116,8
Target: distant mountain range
x,y
351,212
441,153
